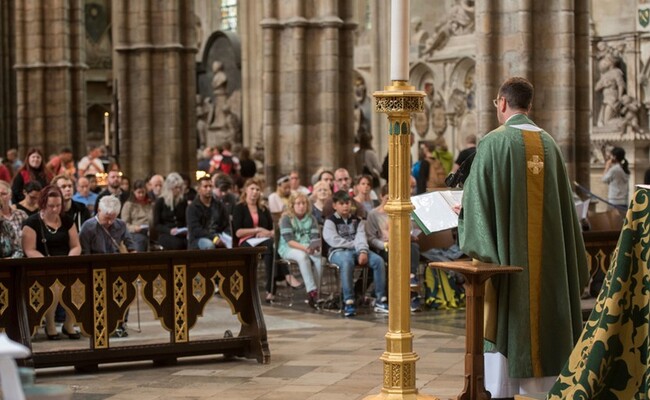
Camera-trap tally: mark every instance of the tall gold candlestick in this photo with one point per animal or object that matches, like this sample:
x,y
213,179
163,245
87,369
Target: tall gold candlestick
x,y
398,101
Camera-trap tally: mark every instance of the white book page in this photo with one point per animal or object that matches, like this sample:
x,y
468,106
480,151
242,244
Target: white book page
x,y
433,213
255,241
453,197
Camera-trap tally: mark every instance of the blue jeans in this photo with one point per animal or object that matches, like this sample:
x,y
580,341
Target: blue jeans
x,y
206,244
346,259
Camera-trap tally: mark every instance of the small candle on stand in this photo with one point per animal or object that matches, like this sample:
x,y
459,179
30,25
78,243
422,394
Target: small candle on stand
x,y
107,123
399,40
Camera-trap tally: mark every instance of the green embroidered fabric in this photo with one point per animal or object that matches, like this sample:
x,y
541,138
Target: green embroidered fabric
x,y
610,360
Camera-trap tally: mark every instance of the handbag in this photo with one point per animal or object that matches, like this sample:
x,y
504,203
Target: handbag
x,y
121,247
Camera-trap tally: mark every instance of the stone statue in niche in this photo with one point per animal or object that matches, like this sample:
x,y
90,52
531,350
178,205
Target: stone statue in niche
x,y
232,128
203,107
438,117
459,21
611,87
461,17
362,108
630,108
419,37
470,89
217,117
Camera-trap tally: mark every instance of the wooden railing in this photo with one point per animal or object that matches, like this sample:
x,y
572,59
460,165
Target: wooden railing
x,y
600,245
98,290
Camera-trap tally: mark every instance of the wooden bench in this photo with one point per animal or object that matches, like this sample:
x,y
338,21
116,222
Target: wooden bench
x,y
98,290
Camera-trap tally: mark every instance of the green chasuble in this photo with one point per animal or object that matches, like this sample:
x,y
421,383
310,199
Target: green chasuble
x,y
518,209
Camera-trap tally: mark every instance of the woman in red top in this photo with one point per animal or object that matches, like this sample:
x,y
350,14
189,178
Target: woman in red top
x,y
32,170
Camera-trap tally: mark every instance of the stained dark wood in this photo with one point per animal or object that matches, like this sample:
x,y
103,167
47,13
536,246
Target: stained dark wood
x,y
20,318
475,273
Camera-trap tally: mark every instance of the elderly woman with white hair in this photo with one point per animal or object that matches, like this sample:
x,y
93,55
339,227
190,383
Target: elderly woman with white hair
x,y
105,233
169,214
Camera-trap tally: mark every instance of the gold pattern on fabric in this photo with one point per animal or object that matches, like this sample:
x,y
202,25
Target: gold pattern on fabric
x,y
4,298
180,303
100,310
36,296
535,206
78,294
612,359
535,164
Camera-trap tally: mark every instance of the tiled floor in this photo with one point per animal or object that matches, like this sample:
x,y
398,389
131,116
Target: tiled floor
x,y
314,355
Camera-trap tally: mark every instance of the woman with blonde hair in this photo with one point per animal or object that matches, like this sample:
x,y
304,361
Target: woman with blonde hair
x,y
252,220
322,192
12,215
169,214
300,241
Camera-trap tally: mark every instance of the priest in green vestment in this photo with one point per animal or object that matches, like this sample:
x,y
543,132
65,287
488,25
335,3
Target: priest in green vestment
x,y
518,209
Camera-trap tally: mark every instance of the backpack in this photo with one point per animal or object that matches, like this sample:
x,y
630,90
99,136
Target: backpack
x,y
226,165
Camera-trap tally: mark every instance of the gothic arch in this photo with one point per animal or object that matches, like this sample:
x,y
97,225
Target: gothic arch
x,y
420,74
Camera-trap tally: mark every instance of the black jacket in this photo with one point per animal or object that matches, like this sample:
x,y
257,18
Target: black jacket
x,y
205,221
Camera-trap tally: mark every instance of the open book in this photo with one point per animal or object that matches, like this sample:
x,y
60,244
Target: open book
x,y
434,210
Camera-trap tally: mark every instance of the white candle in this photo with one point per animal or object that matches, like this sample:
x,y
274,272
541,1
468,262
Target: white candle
x,y
106,129
399,40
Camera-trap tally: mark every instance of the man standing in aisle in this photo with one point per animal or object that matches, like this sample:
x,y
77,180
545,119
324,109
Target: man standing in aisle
x,y
518,210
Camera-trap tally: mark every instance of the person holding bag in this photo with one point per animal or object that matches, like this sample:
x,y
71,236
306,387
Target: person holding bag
x,y
105,233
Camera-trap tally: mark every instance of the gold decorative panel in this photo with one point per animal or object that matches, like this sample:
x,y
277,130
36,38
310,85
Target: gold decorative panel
x,y
198,287
399,103
159,289
36,296
78,294
100,311
601,257
119,291
180,303
4,298
399,375
236,285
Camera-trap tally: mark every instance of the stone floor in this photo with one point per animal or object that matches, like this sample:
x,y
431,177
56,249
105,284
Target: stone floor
x,y
314,355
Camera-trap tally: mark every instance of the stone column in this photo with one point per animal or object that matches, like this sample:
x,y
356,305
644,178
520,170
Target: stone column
x,y
250,15
50,75
513,41
271,29
8,137
314,113
154,70
583,94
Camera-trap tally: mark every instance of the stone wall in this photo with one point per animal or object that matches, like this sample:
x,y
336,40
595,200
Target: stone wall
x,y
154,67
308,85
7,78
50,69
